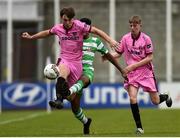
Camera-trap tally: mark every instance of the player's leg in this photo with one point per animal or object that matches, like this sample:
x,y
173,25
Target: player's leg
x,y
79,114
84,81
133,91
61,87
78,87
150,85
157,98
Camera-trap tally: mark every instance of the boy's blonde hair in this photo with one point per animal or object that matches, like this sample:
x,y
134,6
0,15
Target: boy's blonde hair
x,y
135,19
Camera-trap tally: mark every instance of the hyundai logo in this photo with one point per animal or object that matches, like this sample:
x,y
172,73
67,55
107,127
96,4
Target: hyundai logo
x,y
24,94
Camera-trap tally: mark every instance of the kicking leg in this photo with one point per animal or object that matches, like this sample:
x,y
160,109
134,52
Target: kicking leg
x,y
78,87
82,83
62,89
61,92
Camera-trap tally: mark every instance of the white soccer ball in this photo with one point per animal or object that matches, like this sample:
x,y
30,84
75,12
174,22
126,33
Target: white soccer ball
x,y
51,71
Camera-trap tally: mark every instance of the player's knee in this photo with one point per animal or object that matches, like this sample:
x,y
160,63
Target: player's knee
x,y
155,101
61,80
86,81
86,84
133,99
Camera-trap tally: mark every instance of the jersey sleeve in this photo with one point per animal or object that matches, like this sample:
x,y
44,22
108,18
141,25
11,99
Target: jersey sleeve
x,y
100,47
148,46
53,30
120,48
84,27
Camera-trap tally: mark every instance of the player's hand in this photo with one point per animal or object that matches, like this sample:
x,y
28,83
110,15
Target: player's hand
x,y
124,75
129,68
26,35
114,44
126,70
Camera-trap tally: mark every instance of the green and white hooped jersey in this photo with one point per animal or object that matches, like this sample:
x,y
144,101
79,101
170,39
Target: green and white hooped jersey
x,y
90,46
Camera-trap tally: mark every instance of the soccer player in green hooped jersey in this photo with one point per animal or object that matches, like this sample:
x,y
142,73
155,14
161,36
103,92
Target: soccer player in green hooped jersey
x,y
91,45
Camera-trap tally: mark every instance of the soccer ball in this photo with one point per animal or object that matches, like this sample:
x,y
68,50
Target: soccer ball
x,y
51,71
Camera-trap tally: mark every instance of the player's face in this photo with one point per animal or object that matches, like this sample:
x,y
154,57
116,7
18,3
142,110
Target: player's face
x,y
135,28
66,22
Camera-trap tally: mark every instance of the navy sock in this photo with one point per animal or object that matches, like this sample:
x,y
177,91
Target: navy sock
x,y
136,115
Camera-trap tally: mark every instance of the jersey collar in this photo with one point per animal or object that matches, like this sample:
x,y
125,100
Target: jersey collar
x,y
136,38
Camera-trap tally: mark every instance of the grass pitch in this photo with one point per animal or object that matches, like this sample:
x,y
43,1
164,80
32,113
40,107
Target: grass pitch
x,y
106,122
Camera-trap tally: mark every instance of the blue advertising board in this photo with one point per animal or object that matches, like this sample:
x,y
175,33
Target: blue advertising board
x,y
97,95
23,95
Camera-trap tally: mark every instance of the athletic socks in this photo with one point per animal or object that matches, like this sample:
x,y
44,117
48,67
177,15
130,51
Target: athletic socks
x,y
163,97
135,110
136,115
77,87
81,116
62,88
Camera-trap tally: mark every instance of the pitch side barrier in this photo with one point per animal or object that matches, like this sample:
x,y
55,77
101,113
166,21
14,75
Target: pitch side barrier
x,y
97,95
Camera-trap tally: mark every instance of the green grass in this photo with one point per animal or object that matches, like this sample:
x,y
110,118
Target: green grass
x,y
109,122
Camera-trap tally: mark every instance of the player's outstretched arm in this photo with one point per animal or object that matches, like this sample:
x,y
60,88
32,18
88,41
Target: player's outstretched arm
x,y
38,35
114,54
116,64
104,36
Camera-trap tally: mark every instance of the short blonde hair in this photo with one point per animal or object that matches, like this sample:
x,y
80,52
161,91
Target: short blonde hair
x,y
135,19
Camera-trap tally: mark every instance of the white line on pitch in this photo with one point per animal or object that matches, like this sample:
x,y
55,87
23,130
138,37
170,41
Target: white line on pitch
x,y
22,119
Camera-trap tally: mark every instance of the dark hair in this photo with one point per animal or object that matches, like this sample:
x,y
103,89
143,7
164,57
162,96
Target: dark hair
x,y
135,19
68,11
86,20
